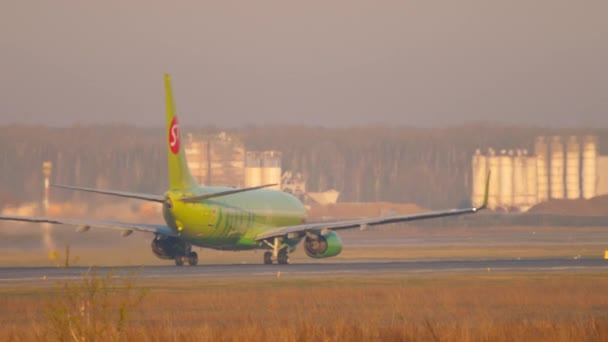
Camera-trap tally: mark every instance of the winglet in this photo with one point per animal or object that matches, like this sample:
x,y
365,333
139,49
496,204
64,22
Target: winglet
x,y
486,194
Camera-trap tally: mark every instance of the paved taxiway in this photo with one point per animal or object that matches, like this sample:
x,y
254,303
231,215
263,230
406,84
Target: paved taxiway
x,y
10,275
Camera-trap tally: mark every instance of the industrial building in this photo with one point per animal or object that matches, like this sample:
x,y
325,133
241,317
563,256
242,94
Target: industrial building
x,y
560,168
216,159
263,168
222,160
295,184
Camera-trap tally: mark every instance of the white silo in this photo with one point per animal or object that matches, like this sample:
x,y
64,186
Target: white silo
x,y
271,169
541,149
479,167
589,167
196,158
506,180
557,168
47,168
602,176
494,190
520,180
253,170
532,182
573,164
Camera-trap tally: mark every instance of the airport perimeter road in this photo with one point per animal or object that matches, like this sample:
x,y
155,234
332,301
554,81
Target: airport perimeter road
x,y
10,275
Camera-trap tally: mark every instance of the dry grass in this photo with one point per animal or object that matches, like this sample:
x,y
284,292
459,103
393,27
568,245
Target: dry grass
x,y
469,307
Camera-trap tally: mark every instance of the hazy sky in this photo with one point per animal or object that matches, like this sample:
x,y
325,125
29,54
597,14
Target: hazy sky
x,y
333,63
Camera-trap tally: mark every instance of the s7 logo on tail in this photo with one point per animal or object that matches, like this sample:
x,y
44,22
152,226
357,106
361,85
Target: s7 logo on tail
x,y
174,136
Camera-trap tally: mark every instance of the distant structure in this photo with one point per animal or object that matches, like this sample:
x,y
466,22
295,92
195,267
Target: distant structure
x,y
602,180
494,168
557,168
590,156
505,177
295,184
263,168
520,179
271,169
47,168
503,190
541,149
253,170
216,159
561,168
573,168
47,236
324,198
222,160
480,167
532,183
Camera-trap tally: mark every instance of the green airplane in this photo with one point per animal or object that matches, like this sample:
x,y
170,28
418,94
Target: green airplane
x,y
226,218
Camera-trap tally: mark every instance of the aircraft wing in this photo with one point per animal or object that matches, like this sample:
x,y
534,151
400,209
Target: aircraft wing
x,y
362,223
85,224
322,227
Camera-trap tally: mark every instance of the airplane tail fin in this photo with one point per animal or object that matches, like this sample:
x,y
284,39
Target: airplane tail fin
x,y
179,174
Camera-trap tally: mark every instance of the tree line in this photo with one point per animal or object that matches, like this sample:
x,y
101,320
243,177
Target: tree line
x,y
427,166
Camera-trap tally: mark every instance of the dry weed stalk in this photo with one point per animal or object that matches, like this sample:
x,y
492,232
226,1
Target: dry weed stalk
x,y
93,308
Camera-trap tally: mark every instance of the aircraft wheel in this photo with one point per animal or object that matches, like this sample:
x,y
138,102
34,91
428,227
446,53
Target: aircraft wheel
x,y
192,259
179,260
268,258
283,257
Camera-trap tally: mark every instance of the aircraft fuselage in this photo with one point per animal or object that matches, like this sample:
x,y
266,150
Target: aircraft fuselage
x,y
231,222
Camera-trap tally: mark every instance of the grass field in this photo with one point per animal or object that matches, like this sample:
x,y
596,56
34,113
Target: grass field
x,y
472,306
550,306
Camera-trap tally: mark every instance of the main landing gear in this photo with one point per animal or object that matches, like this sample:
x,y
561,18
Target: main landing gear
x,y
191,259
279,252
283,257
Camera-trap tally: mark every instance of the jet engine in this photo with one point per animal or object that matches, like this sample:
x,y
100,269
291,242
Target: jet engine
x,y
322,246
167,247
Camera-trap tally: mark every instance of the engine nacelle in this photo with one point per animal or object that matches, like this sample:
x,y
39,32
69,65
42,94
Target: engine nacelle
x,y
166,247
323,246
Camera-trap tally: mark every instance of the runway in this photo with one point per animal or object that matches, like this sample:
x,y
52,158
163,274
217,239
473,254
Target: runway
x,y
10,275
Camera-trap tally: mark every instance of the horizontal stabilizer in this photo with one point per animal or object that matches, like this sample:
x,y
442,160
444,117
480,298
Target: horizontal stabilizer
x,y
145,197
85,224
223,193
